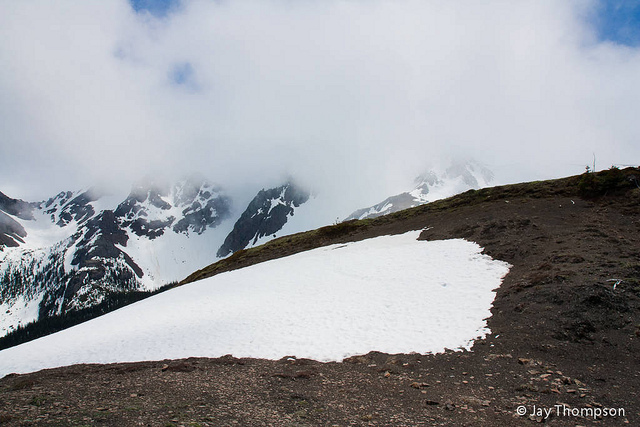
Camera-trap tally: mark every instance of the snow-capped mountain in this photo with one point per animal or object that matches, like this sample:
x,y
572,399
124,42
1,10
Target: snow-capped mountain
x,y
76,248
433,185
79,248
264,217
188,206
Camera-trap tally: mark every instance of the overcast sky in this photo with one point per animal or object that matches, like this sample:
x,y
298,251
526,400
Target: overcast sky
x,y
350,96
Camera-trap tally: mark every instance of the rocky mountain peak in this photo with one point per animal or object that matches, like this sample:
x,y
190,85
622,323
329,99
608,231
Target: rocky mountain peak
x,y
68,206
266,215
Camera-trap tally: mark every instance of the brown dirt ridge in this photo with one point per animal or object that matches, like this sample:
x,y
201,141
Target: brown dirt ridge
x,y
564,344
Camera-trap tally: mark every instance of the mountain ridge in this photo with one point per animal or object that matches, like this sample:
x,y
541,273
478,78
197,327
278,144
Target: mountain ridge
x,y
585,185
79,249
459,176
561,331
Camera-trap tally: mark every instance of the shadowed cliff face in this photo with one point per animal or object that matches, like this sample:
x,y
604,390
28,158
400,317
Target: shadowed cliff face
x,y
16,207
266,214
11,232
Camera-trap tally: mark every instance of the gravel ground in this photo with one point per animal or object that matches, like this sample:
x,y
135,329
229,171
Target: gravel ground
x,y
564,340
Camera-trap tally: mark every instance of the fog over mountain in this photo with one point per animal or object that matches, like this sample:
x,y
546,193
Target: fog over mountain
x,y
352,98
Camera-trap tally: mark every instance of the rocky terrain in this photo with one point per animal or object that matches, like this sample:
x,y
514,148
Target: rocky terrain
x,y
565,333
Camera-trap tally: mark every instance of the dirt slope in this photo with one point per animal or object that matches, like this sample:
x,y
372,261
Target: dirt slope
x,y
565,331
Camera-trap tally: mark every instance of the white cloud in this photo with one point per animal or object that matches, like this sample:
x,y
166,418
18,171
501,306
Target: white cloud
x,y
351,95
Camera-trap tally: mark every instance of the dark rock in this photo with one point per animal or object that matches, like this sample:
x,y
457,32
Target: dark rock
x,y
16,207
262,217
11,232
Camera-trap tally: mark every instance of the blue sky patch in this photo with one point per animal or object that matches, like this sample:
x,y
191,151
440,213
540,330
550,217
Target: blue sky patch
x,y
182,74
159,8
618,21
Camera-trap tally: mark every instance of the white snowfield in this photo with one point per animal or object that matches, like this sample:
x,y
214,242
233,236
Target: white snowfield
x,y
392,294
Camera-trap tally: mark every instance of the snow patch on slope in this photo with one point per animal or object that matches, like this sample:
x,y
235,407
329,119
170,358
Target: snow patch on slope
x,y
18,312
391,294
173,256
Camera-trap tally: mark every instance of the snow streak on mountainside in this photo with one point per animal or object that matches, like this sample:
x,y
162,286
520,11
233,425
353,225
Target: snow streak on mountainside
x,y
266,215
75,249
430,186
394,294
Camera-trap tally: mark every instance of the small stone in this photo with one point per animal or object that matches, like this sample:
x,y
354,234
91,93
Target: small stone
x,y
165,367
523,361
538,418
419,385
465,382
387,374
